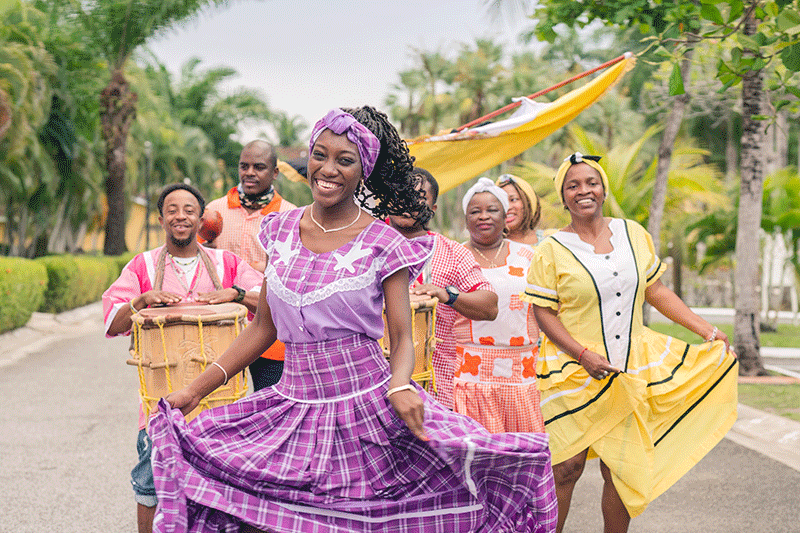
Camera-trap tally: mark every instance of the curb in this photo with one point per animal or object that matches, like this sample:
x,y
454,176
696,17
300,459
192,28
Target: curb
x,y
774,436
44,329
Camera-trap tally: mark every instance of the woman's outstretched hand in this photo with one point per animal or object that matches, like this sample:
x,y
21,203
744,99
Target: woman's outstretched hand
x,y
721,336
183,400
408,406
596,365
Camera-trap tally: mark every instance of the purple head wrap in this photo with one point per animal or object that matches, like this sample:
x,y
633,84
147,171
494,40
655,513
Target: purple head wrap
x,y
340,122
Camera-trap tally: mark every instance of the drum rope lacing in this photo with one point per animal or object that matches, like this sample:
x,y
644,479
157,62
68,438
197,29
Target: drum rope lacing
x,y
137,331
204,403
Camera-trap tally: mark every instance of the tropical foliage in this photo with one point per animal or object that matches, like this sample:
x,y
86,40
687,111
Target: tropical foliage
x,y
56,170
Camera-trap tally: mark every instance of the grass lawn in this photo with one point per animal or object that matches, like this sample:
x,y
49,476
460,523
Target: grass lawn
x,y
786,336
782,400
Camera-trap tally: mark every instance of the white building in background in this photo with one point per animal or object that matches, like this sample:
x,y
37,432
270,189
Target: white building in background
x,y
777,276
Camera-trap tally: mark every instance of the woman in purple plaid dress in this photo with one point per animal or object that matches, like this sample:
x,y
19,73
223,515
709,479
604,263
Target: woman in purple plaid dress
x,y
345,441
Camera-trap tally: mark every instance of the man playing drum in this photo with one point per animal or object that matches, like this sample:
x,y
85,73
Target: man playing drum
x,y
452,276
181,271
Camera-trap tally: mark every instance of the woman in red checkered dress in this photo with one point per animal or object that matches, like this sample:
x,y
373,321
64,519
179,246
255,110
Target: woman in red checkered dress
x,y
495,380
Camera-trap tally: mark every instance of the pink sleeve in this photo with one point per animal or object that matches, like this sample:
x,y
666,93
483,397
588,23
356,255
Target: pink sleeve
x,y
132,282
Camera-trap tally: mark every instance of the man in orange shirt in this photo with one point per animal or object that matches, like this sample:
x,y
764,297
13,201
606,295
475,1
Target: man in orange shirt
x,y
242,210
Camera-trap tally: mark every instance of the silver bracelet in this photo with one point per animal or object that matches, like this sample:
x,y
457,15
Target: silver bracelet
x,y
223,371
407,386
713,336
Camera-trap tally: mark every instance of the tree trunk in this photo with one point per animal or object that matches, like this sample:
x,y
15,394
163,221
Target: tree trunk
x,y
731,158
747,319
782,139
677,264
671,129
117,111
56,242
9,227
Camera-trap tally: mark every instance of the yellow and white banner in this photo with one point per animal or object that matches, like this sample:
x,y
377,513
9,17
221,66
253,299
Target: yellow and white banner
x,y
458,157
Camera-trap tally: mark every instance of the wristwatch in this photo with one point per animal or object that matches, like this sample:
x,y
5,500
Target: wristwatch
x,y
239,297
452,293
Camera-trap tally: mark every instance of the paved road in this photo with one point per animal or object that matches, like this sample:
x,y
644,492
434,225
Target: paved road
x,y
69,423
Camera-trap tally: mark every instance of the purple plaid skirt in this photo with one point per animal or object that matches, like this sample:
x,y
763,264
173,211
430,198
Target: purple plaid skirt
x,y
323,450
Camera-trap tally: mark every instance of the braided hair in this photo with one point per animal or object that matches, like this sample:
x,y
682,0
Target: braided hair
x,y
392,188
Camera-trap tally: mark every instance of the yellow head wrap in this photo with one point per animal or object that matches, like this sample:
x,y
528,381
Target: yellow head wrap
x,y
574,159
523,185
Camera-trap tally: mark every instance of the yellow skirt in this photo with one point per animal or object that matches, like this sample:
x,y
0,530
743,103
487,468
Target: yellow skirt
x,y
649,425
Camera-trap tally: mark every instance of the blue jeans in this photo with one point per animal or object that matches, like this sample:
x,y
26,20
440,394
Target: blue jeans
x,y
142,474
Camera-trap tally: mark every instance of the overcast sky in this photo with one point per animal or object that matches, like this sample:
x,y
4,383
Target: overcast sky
x,y
308,56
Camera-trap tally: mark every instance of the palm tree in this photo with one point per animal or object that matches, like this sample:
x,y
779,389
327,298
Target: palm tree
x,y
434,68
118,28
477,74
197,99
288,128
27,174
405,101
179,151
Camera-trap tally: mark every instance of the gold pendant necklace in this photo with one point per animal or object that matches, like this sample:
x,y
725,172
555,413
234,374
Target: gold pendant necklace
x,y
496,254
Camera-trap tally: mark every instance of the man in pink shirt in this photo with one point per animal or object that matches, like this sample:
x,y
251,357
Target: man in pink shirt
x,y
452,276
242,210
179,271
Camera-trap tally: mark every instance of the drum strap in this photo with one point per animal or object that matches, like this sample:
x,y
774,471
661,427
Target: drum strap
x,y
161,266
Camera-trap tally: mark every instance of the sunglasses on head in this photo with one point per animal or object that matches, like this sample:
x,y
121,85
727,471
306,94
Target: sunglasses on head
x,y
505,179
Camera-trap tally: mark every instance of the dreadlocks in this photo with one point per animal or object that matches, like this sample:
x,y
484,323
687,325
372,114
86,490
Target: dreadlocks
x,y
392,183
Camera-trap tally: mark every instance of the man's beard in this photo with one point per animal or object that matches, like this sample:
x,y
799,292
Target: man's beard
x,y
181,243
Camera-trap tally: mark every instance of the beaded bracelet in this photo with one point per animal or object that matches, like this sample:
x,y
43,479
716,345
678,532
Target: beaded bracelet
x,y
407,386
713,336
223,371
581,354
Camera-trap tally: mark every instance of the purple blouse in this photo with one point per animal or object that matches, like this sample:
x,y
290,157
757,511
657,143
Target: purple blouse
x,y
315,297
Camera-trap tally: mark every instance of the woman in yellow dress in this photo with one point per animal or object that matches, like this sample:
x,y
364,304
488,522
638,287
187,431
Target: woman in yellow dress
x,y
648,405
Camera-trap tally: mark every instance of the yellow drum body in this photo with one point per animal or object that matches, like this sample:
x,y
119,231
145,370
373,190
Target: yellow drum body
x,y
171,346
423,309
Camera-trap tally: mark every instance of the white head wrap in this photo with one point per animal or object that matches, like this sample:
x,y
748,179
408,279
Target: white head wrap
x,y
485,185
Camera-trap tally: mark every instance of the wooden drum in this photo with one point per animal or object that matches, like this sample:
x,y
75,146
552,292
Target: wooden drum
x,y
171,346
423,309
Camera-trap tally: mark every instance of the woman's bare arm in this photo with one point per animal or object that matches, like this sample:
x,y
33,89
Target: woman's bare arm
x,y
668,304
406,403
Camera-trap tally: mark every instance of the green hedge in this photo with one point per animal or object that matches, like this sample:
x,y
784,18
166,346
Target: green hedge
x,y
73,281
22,286
53,284
96,274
